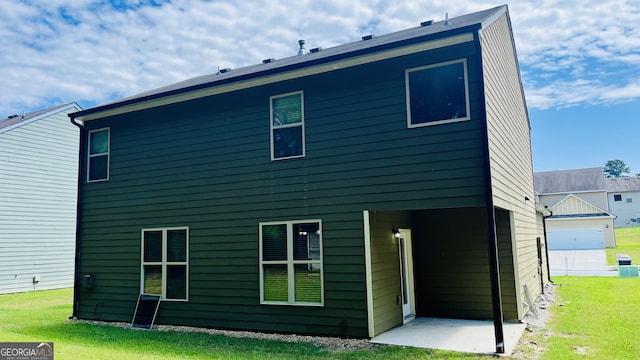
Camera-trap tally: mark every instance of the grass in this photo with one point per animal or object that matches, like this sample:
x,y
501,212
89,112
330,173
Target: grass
x,y
627,242
595,318
42,316
598,317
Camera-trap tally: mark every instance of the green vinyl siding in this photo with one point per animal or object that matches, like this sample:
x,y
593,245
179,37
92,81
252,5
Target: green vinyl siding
x,y
205,164
385,268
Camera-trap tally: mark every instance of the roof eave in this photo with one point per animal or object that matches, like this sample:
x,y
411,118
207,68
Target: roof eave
x,y
154,100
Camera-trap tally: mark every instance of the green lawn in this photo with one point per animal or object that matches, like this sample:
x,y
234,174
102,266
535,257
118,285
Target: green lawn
x,y
627,242
598,317
42,316
594,318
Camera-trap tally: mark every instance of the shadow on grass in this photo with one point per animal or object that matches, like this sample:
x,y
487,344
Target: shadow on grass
x,y
173,344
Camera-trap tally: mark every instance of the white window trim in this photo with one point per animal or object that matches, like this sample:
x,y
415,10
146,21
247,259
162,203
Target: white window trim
x,y
290,264
271,127
164,263
438,122
108,153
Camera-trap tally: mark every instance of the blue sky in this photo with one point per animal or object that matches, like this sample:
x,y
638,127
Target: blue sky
x,y
579,59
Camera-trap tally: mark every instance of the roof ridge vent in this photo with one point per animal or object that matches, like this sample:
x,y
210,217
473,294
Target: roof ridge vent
x,y
426,23
266,61
225,70
301,50
368,37
446,18
316,49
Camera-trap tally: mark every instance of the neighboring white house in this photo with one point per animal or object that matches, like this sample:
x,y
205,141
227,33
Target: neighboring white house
x,y
624,200
38,196
578,200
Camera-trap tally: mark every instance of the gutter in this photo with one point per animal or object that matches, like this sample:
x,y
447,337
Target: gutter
x,y
492,238
76,280
546,243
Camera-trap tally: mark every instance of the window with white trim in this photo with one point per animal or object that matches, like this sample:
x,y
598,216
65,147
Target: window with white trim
x,y
291,263
437,94
165,263
98,155
287,126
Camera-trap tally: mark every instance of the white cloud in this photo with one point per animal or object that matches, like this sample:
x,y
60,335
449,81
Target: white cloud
x,y
580,91
56,51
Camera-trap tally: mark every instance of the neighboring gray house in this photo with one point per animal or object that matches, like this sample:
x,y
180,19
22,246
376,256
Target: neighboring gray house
x,y
38,193
624,200
578,200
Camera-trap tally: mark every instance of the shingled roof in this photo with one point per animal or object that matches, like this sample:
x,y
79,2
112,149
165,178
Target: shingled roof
x,y
630,183
14,121
567,181
427,31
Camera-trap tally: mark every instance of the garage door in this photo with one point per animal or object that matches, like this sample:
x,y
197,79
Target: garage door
x,y
576,239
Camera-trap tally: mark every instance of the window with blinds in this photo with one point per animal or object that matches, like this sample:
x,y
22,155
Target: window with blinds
x,y
291,263
287,126
164,268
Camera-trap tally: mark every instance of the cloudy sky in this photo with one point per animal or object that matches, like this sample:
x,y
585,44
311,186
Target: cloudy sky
x,y
580,59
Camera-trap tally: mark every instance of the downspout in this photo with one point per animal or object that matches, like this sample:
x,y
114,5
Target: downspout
x,y
492,240
546,243
76,280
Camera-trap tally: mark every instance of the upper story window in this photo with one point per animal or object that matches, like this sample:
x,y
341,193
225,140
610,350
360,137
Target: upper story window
x,y
617,197
291,263
287,126
98,155
165,263
437,94
629,200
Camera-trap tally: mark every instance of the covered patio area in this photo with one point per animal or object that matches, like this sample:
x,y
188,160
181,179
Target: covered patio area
x,y
472,336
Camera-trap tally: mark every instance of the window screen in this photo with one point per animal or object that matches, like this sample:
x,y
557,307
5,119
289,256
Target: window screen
x,y
98,155
287,126
165,263
291,263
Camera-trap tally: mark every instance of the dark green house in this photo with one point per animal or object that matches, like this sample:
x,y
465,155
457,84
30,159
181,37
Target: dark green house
x,y
340,192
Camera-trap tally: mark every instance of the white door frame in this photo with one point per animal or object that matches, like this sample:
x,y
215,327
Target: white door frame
x,y
407,298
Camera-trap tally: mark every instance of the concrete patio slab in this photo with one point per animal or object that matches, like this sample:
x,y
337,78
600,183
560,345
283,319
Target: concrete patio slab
x,y
469,336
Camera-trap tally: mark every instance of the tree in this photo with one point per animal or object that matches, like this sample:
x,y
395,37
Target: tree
x,y
615,168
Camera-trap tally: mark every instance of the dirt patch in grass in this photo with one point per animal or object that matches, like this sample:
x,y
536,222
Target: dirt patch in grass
x,y
581,350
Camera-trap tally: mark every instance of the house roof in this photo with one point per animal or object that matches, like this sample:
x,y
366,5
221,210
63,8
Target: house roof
x,y
426,32
567,181
14,121
630,183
